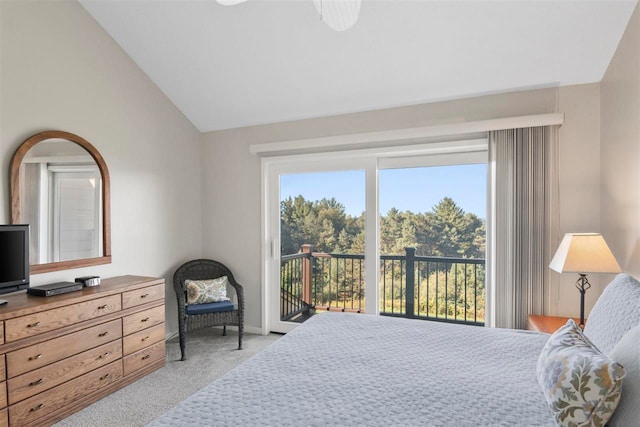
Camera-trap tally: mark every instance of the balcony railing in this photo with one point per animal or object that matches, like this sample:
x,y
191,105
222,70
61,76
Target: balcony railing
x,y
432,288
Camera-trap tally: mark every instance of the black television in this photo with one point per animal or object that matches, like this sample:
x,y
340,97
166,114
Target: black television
x,y
14,257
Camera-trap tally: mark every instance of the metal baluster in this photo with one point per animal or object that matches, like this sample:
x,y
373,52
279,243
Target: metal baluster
x,y
330,280
352,281
475,293
314,278
384,284
360,293
466,303
446,291
455,292
345,282
428,277
418,270
393,286
437,286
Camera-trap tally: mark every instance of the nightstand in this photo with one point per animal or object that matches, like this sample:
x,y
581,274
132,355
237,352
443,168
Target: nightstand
x,y
548,324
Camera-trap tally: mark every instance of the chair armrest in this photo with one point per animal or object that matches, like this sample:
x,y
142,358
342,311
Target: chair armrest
x,y
180,293
240,293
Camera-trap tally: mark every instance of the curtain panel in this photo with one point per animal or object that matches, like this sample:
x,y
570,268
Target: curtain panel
x,y
523,174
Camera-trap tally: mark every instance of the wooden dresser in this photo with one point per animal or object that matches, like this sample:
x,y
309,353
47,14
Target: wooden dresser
x,y
59,354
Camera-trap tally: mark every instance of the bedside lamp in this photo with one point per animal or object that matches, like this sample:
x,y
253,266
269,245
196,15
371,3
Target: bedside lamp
x,y
584,253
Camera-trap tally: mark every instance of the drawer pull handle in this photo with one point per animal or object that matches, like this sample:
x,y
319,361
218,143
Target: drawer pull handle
x,y
104,377
103,334
102,356
36,382
102,307
144,339
36,357
146,319
33,325
146,356
144,295
35,408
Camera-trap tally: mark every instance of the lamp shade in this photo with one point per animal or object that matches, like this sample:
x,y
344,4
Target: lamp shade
x,y
584,253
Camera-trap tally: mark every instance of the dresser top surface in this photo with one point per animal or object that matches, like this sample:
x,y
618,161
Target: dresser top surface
x,y
21,304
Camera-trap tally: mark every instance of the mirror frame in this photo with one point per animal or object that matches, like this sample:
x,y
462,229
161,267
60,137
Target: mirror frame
x,y
16,161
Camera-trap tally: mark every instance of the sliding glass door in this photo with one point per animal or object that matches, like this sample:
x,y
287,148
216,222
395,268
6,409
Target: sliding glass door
x,y
433,241
316,238
322,237
323,248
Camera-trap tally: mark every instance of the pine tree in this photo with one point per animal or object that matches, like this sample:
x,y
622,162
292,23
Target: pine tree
x,y
446,230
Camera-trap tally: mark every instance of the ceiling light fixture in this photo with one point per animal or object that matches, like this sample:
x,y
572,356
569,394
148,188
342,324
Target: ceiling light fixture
x,y
230,2
340,15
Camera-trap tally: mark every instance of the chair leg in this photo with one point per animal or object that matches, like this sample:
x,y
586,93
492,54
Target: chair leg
x,y
182,332
183,356
224,330
240,326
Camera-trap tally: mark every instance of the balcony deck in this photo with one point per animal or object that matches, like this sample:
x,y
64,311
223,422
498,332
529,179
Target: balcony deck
x,y
424,287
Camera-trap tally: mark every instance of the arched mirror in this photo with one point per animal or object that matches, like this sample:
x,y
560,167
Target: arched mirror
x,y
60,187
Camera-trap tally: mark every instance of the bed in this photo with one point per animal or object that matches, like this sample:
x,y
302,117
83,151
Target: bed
x,y
354,369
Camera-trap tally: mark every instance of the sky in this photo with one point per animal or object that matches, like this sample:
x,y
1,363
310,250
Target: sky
x,y
412,189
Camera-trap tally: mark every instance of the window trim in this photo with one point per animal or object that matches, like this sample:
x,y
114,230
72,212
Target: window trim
x,y
416,134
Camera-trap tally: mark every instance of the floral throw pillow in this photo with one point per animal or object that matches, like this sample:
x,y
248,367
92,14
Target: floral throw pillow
x,y
580,383
205,291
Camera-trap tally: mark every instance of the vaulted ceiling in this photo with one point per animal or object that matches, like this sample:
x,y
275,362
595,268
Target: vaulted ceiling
x,y
270,61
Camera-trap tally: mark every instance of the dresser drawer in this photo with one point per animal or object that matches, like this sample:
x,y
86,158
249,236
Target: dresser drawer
x,y
39,380
3,384
1,332
144,338
142,296
38,355
3,368
144,357
4,418
26,326
142,320
38,406
3,394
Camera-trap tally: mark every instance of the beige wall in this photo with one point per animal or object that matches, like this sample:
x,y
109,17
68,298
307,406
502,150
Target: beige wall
x,y
620,150
60,70
579,189
233,233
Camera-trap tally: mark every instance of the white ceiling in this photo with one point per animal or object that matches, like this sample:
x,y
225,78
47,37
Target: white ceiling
x,y
269,61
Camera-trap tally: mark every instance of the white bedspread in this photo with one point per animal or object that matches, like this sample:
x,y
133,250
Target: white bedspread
x,y
350,369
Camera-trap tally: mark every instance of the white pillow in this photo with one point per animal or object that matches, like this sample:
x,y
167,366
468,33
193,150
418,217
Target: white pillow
x,y
581,385
206,291
616,311
627,353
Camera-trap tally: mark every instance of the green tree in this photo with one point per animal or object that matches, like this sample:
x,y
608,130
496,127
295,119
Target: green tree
x,y
319,223
296,215
446,230
390,231
457,234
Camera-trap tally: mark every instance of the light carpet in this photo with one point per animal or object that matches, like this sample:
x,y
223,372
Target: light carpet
x,y
209,356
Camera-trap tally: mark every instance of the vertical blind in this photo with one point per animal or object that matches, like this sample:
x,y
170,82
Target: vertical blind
x,y
523,211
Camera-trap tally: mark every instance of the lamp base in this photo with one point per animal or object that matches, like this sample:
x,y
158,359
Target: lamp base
x,y
582,284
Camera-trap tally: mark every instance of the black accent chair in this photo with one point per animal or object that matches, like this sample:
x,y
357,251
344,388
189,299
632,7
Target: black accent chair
x,y
196,316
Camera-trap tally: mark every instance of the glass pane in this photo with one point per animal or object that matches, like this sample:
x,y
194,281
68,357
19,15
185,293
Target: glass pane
x,y
432,242
77,213
322,235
